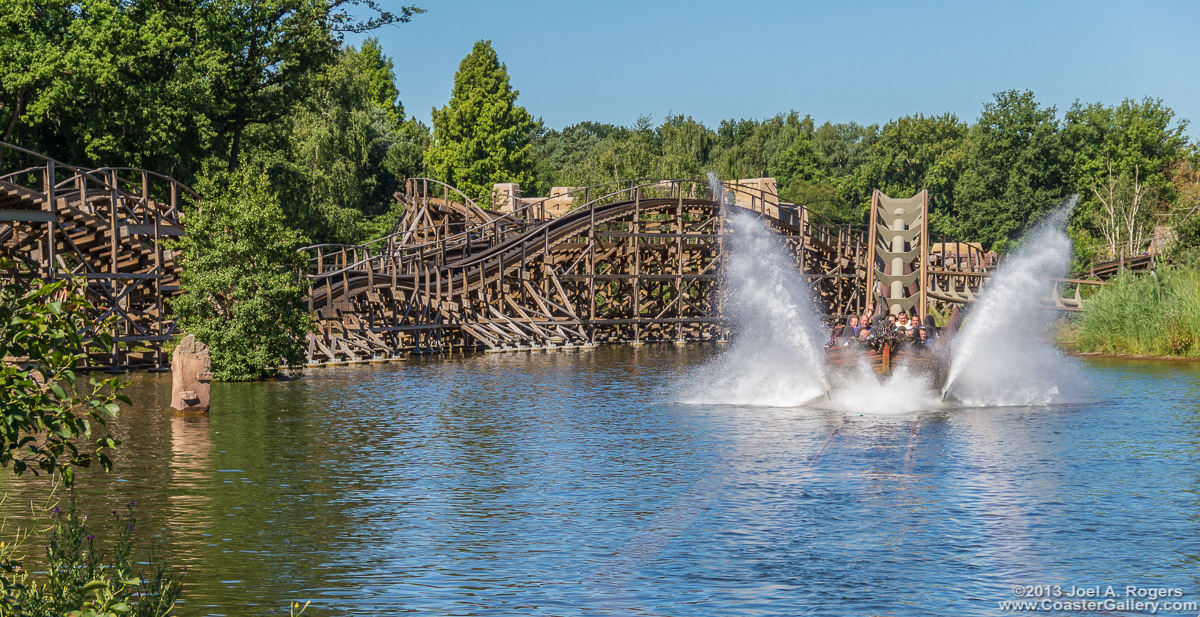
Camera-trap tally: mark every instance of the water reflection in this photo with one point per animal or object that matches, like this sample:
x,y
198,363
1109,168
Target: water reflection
x,y
187,508
572,484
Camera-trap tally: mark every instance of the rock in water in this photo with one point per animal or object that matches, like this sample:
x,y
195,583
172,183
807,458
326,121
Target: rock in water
x,y
190,376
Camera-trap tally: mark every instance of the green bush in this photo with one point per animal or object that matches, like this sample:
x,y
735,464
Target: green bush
x,y
242,292
1145,314
82,579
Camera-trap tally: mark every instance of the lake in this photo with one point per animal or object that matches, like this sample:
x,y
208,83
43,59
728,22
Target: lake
x,y
576,483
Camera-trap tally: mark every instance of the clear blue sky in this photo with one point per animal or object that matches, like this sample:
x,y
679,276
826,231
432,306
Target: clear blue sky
x,y
612,61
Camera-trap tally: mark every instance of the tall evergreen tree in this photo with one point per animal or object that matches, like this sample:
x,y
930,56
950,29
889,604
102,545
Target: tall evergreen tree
x,y
481,137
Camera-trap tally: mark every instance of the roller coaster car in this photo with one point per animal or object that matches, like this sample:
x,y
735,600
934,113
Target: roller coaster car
x,y
885,356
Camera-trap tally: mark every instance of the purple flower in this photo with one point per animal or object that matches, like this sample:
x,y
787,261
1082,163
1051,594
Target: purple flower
x,y
132,502
56,510
91,537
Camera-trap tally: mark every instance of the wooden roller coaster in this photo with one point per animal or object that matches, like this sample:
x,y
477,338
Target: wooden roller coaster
x,y
631,261
103,227
634,261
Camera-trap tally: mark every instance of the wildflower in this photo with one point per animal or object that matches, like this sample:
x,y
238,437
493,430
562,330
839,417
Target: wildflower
x,y
91,537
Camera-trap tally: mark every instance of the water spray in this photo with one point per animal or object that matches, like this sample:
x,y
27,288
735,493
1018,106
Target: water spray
x,y
776,357
1001,355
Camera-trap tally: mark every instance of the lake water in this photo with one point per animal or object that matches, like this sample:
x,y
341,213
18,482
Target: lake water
x,y
575,484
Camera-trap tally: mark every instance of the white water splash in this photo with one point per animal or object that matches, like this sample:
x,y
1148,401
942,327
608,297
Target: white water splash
x,y
776,358
864,392
1003,356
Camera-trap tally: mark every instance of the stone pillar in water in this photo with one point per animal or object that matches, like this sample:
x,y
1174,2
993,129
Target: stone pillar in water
x,y
190,376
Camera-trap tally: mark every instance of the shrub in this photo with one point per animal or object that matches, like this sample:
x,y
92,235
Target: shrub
x,y
82,579
242,293
47,412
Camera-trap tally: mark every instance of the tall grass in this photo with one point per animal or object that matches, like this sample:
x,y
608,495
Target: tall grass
x,y
1146,314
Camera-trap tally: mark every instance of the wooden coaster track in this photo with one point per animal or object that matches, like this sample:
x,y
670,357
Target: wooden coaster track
x,y
637,262
105,227
632,261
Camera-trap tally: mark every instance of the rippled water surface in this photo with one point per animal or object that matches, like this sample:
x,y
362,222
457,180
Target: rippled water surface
x,y
574,484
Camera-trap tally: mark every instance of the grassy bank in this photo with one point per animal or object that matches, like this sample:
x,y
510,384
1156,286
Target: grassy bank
x,y
1145,315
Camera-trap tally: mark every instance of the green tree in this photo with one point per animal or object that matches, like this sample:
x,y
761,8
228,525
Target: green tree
x,y
685,148
1015,170
559,154
803,177
1122,160
752,149
379,72
241,291
101,81
344,151
166,85
481,137
914,153
273,51
844,147
47,412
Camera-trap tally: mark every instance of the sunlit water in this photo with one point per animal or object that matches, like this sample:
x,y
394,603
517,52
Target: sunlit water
x,y
573,484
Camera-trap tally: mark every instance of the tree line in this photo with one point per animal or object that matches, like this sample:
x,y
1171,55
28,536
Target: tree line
x,y
295,136
199,90
1130,164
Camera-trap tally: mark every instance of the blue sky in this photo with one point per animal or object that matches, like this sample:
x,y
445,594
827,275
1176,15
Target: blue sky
x,y
613,61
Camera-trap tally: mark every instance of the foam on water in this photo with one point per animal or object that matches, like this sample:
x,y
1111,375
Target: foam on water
x,y
1003,356
862,391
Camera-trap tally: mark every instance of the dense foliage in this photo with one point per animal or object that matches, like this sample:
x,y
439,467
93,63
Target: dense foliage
x,y
48,412
988,181
242,293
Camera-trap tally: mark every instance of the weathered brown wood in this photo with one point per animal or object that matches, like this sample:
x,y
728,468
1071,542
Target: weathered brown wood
x,y
639,260
103,228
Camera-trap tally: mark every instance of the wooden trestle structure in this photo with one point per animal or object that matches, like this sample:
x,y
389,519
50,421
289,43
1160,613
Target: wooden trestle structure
x,y
634,261
105,229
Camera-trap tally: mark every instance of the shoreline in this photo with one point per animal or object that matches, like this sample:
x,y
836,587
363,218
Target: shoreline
x,y
1121,356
